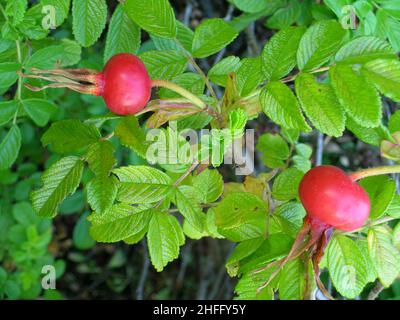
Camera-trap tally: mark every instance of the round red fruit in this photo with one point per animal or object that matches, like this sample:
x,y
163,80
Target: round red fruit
x,y
331,197
125,84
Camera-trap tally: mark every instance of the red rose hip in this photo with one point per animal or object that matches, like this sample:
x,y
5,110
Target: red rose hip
x,y
125,84
332,198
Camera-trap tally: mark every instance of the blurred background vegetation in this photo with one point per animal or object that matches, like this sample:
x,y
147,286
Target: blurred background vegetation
x,y
99,271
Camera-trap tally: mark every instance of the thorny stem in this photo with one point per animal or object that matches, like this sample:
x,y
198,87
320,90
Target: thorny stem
x,y
374,172
178,89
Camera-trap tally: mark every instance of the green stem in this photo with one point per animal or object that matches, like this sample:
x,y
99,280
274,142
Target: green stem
x,y
374,172
19,89
178,89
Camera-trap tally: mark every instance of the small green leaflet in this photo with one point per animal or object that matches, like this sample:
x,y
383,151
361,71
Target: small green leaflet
x,y
286,16
131,135
286,184
67,136
155,16
211,36
381,191
209,184
184,36
220,71
292,282
251,6
280,104
384,255
9,147
59,181
142,184
123,35
249,75
164,239
100,157
394,121
88,20
320,104
358,97
7,111
241,216
364,49
279,54
319,44
373,136
348,267
187,200
119,222
164,64
101,193
39,110
8,73
241,251
385,75
274,149
62,54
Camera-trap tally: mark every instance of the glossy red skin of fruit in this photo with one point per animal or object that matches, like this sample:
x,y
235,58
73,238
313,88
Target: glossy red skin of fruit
x,y
125,84
332,198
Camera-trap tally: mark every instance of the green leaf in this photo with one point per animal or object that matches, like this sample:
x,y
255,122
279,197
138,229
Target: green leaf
x,y
39,110
251,6
347,266
394,121
142,184
9,147
131,135
320,104
67,136
59,181
319,44
220,71
101,193
385,75
274,149
209,184
164,64
89,18
286,16
241,251
155,16
7,111
280,104
16,9
364,49
241,216
279,54
123,35
249,75
289,217
100,157
187,201
184,36
211,36
119,222
373,136
80,236
381,190
164,238
8,73
292,281
358,97
384,255
286,185
394,208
